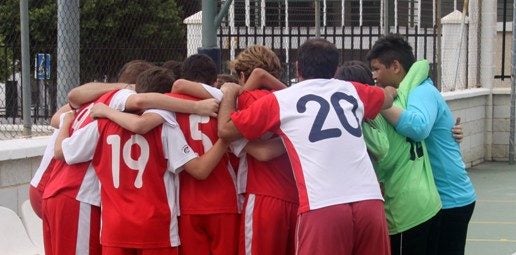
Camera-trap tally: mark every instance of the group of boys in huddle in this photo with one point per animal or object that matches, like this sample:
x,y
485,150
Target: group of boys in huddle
x,y
165,161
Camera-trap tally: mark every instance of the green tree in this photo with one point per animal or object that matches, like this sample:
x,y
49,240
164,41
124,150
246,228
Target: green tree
x,y
42,27
112,32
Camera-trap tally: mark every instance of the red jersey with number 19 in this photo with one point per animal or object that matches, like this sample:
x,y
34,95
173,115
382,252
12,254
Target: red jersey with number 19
x,y
319,121
139,209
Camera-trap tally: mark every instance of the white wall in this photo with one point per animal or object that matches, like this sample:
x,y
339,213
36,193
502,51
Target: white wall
x,y
19,158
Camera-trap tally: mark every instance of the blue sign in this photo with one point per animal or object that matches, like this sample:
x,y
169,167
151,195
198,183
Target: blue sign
x,y
42,66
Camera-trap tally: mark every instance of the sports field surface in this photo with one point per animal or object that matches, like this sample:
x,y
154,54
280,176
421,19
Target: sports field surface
x,y
492,230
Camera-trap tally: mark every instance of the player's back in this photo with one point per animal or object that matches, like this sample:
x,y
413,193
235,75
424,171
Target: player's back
x,y
77,180
137,191
217,193
320,122
271,178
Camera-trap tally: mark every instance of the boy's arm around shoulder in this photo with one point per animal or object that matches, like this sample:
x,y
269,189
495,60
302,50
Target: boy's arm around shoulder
x,y
139,124
201,167
260,78
207,107
91,92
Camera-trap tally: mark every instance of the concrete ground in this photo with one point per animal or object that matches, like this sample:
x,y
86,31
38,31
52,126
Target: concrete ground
x,y
492,230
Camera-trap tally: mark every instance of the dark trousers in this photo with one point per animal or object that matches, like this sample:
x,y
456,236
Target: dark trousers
x,y
453,229
419,240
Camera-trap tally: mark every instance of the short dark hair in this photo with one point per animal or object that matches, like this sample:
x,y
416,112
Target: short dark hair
x,y
200,68
355,71
130,71
156,79
392,47
317,58
223,78
174,66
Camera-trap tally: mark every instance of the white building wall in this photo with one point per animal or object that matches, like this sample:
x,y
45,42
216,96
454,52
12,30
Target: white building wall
x,y
454,51
19,158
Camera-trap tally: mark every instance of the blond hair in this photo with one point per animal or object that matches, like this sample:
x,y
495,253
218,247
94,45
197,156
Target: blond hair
x,y
253,57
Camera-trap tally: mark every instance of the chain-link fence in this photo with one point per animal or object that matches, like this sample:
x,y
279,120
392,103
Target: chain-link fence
x,y
74,42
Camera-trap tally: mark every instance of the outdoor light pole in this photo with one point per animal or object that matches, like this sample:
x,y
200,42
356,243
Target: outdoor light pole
x,y
210,23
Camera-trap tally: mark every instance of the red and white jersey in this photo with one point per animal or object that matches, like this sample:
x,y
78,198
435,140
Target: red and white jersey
x,y
43,173
272,178
319,122
237,147
217,193
137,177
79,180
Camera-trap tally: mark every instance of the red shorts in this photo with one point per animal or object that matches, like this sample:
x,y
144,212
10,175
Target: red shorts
x,y
108,250
36,193
353,228
215,234
268,226
70,227
36,200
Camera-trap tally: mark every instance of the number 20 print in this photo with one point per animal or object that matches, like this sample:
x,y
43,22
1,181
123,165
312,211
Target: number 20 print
x,y
317,132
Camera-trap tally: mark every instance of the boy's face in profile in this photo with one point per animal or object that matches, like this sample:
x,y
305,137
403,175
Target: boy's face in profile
x,y
385,76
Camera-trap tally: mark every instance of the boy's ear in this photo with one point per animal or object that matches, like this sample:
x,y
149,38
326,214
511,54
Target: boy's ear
x,y
396,67
299,75
241,77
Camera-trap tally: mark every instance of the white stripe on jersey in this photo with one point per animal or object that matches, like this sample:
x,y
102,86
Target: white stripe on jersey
x,y
236,183
82,247
89,192
170,188
248,224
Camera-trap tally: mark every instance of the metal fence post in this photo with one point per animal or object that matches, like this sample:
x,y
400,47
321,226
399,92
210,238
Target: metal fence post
x,y
68,45
25,60
317,7
385,17
437,32
513,87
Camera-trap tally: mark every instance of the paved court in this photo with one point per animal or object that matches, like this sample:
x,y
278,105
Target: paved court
x,y
492,230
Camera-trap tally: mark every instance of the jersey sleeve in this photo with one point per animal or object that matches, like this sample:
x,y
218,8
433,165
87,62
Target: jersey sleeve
x,y
262,116
120,98
169,117
417,120
372,97
80,147
176,150
48,155
215,92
